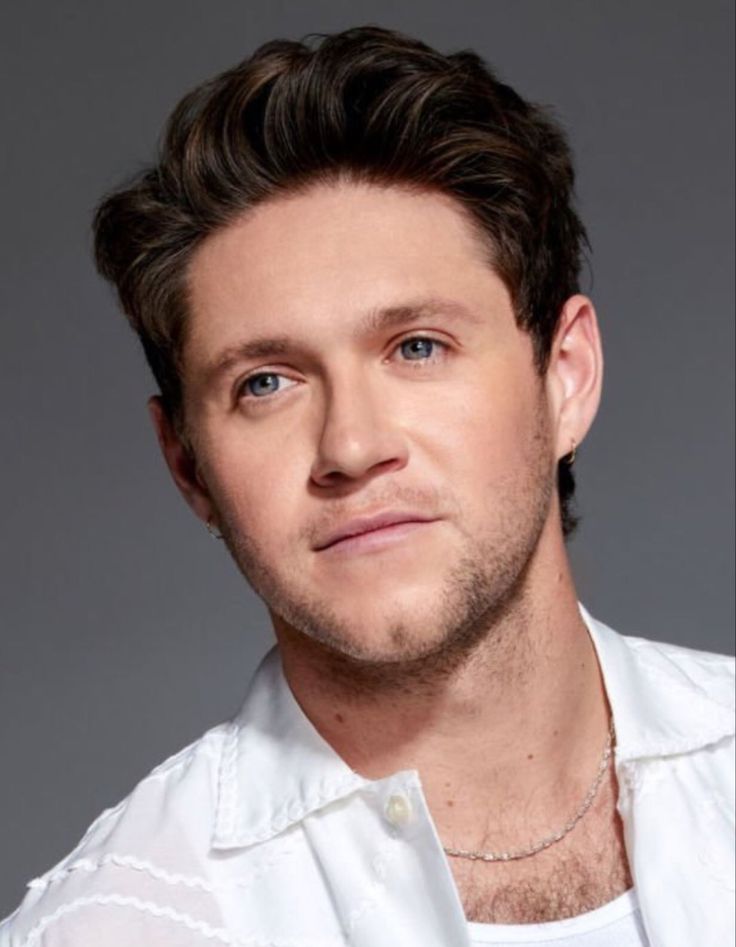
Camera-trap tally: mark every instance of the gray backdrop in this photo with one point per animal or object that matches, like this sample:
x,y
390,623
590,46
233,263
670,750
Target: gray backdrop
x,y
126,632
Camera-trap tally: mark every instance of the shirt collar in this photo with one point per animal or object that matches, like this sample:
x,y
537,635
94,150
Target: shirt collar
x,y
665,699
275,768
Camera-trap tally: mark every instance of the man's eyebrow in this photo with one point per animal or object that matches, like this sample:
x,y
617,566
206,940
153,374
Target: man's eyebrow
x,y
258,348
374,321
393,317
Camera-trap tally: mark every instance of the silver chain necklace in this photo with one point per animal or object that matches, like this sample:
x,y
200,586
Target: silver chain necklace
x,y
550,839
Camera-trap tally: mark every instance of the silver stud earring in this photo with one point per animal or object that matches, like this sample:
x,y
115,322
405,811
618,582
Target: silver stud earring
x,y
213,530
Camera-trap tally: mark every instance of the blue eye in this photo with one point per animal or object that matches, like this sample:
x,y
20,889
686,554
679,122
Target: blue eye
x,y
264,384
418,348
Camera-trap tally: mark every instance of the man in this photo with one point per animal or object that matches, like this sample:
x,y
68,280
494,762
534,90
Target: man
x,y
354,274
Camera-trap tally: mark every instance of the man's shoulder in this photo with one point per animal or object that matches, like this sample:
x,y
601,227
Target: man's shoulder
x,y
626,652
708,672
154,841
667,700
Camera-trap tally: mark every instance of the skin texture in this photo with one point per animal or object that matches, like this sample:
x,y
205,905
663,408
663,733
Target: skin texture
x,y
352,352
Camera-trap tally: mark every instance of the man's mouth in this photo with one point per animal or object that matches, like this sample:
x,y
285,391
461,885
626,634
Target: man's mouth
x,y
366,532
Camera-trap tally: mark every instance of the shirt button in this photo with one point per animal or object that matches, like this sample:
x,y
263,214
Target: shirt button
x,y
398,810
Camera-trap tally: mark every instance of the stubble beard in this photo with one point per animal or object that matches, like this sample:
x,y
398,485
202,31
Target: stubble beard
x,y
487,583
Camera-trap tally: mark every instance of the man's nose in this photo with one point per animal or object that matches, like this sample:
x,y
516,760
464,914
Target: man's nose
x,y
359,434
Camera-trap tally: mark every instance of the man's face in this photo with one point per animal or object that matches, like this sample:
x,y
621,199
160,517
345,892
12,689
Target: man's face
x,y
354,364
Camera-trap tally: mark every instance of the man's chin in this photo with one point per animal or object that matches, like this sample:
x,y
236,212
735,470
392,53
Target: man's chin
x,y
394,632
396,645
390,652
376,639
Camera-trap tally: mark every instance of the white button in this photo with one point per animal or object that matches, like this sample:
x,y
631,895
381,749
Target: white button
x,y
398,810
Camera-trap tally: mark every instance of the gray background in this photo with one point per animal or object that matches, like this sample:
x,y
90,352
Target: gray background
x,y
126,632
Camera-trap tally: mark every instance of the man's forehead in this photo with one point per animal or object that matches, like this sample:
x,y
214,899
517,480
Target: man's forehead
x,y
336,226
356,260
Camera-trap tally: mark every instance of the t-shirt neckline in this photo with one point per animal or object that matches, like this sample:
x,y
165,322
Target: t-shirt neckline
x,y
596,919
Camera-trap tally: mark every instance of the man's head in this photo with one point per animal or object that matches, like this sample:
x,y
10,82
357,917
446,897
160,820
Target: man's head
x,y
354,273
369,105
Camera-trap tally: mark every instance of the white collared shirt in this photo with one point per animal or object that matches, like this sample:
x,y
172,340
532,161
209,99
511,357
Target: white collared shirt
x,y
259,835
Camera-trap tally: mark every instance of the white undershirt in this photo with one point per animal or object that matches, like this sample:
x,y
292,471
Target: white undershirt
x,y
616,924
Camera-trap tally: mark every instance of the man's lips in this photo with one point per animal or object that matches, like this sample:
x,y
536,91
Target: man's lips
x,y
362,525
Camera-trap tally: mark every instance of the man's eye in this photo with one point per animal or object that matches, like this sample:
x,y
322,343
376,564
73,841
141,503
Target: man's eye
x,y
419,348
264,383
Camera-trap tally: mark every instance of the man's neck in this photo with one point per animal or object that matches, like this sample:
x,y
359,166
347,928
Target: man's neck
x,y
515,730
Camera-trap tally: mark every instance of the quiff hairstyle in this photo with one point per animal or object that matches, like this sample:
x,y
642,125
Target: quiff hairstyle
x,y
367,105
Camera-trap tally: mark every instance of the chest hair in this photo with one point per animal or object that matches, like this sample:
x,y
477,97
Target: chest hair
x,y
584,871
573,886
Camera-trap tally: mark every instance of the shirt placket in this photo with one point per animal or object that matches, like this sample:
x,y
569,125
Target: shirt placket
x,y
388,876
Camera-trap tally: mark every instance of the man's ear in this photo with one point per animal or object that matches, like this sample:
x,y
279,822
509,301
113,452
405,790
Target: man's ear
x,y
575,373
181,462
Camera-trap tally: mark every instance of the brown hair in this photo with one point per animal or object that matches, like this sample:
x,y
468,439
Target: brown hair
x,y
367,104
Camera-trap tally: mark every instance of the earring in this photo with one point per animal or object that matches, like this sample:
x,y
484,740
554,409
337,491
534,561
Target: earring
x,y
573,452
212,530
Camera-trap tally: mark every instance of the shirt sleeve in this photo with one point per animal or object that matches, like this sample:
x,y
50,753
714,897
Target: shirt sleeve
x,y
118,922
115,907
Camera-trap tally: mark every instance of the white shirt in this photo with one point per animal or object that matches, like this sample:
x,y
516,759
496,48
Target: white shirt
x,y
260,835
